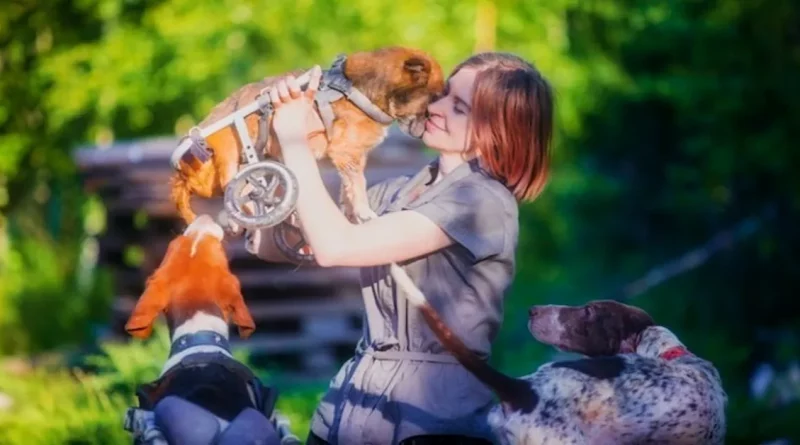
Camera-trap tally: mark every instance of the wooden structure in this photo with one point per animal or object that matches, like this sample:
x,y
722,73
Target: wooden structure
x,y
307,319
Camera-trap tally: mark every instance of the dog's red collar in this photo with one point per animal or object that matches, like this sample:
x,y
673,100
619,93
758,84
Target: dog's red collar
x,y
674,352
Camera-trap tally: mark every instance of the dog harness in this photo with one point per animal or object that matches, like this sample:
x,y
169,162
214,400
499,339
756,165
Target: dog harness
x,y
333,86
212,380
200,338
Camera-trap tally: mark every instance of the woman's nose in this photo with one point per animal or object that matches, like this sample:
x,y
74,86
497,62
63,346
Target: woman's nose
x,y
435,107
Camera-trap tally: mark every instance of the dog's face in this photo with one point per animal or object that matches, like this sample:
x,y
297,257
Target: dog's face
x,y
402,81
193,276
597,328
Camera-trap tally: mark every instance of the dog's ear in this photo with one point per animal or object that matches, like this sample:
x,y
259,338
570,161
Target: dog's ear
x,y
615,328
156,294
635,321
152,302
240,315
418,69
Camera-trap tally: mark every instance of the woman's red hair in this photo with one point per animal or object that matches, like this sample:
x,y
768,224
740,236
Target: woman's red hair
x,y
512,121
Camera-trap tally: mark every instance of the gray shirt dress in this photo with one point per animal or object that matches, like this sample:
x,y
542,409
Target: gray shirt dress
x,y
401,382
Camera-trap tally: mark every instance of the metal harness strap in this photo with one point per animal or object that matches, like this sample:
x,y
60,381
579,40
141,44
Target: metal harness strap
x,y
199,147
334,86
262,140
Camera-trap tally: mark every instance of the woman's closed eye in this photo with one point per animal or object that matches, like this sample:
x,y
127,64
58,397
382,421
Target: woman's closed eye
x,y
460,106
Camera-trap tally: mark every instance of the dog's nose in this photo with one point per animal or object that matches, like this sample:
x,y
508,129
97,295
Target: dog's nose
x,y
534,311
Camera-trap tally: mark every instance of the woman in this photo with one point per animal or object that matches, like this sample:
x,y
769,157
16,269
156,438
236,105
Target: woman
x,y
453,226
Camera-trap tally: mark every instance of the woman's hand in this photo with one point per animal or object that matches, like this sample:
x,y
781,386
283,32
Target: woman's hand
x,y
291,108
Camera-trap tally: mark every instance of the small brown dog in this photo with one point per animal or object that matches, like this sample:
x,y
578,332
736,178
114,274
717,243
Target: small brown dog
x,y
399,81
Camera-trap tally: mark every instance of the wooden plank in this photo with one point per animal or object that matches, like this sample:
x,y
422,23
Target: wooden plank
x,y
155,245
160,208
306,307
312,277
396,147
277,344
260,279
121,194
125,153
262,311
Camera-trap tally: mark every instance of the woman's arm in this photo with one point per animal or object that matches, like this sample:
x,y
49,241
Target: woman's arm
x,y
335,241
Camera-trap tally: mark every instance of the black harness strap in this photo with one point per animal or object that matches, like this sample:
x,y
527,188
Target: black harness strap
x,y
199,148
200,338
262,140
214,381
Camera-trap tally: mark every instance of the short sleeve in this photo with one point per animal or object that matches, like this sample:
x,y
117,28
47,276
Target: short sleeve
x,y
380,194
472,215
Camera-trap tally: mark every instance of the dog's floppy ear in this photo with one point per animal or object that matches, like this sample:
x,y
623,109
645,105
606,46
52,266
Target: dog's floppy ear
x,y
240,315
418,68
152,302
156,295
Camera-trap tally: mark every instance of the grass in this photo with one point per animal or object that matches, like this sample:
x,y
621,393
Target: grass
x,y
58,405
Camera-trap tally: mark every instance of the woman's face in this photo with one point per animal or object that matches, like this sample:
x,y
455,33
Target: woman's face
x,y
448,124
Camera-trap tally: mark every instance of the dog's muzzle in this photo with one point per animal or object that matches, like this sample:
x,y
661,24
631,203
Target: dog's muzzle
x,y
413,126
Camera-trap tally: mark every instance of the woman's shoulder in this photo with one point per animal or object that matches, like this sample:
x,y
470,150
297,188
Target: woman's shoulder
x,y
383,191
490,191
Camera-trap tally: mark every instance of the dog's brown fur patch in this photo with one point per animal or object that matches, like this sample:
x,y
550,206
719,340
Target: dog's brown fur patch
x,y
400,81
193,276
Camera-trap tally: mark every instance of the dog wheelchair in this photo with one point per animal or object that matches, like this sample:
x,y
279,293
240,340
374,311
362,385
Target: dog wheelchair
x,y
272,187
269,185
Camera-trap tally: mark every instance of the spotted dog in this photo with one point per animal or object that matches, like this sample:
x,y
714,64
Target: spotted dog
x,y
638,384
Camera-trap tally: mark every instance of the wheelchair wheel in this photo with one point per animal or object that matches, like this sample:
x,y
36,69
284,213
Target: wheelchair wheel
x,y
272,194
294,251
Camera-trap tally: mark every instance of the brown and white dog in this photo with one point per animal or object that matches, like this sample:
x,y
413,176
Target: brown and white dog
x,y
199,296
638,385
396,83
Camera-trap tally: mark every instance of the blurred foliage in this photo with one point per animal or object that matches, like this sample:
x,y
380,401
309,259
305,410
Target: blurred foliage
x,y
675,121
57,405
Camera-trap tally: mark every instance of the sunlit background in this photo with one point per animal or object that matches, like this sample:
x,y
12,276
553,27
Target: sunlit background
x,y
674,185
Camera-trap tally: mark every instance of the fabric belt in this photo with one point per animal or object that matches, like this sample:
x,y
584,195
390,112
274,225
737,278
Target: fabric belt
x,y
415,356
